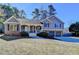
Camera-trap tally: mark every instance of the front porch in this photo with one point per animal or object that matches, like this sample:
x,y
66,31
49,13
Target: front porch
x,y
31,28
15,29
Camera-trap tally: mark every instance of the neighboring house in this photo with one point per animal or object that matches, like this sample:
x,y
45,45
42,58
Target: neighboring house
x,y
1,12
13,26
1,19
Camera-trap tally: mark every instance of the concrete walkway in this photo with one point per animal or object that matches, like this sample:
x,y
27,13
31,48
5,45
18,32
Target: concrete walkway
x,y
1,35
33,35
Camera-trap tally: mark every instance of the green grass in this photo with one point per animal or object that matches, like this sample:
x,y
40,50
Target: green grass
x,y
38,47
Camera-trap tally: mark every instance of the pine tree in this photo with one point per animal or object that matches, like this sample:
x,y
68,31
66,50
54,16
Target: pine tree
x,y
43,14
51,10
36,13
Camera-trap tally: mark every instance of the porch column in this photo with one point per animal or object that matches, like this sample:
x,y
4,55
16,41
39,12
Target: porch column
x,y
54,33
42,28
28,28
20,28
35,29
61,33
5,28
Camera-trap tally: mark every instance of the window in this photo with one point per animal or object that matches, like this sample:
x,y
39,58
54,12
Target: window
x,y
13,27
60,25
8,27
46,24
55,25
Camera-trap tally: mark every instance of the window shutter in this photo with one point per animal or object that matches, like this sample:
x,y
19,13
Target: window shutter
x,y
17,27
8,27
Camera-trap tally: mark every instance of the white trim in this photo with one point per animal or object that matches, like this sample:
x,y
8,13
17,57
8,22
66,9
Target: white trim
x,y
51,20
25,23
59,19
45,19
11,23
53,29
10,19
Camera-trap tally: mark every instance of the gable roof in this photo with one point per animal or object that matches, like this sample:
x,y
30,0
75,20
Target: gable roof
x,y
51,18
13,19
22,21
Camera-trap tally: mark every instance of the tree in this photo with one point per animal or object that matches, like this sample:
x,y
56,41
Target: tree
x,y
36,13
7,10
1,20
74,28
22,14
43,14
51,10
16,12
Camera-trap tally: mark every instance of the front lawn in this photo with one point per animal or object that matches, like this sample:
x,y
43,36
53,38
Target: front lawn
x,y
32,46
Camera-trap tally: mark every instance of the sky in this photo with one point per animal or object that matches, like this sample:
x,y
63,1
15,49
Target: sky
x,y
67,12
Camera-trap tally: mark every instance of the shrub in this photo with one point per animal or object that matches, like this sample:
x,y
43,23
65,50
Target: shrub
x,y
24,34
77,32
43,34
1,31
74,29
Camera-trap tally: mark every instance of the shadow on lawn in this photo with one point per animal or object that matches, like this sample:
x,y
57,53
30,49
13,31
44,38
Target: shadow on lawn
x,y
10,38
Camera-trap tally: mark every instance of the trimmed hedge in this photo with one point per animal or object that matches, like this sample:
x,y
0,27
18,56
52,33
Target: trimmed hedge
x,y
24,34
43,34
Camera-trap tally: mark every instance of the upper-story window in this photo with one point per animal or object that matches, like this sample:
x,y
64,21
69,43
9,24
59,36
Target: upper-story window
x,y
46,24
55,25
60,25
